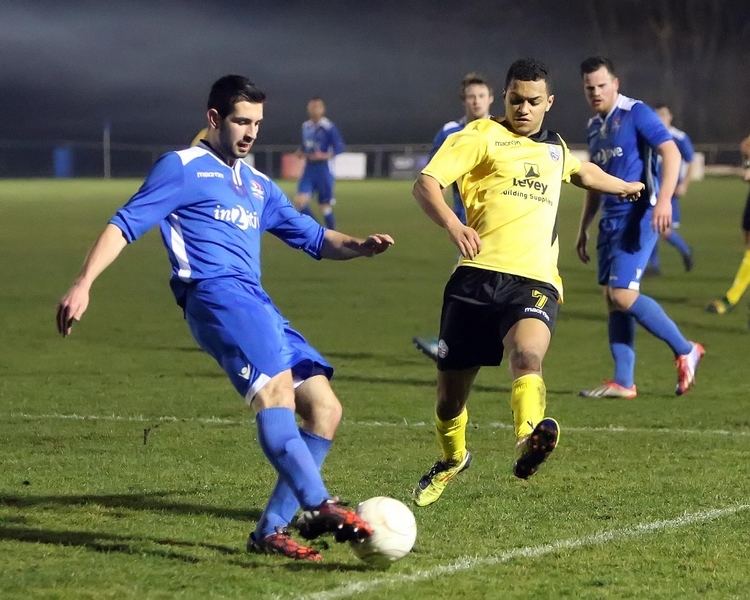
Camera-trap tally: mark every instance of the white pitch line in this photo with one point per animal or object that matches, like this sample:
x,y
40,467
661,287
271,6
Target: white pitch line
x,y
468,563
345,422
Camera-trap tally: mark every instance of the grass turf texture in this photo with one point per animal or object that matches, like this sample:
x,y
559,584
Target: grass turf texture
x,y
152,508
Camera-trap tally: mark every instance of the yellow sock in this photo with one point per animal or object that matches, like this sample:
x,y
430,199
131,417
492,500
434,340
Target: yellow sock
x,y
741,280
527,401
451,435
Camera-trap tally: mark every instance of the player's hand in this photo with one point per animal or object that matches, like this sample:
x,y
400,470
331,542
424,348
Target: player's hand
x,y
581,243
71,307
661,220
466,239
377,243
632,191
746,176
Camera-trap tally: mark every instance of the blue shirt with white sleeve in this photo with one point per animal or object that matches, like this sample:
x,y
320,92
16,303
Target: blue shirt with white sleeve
x,y
322,136
623,144
212,215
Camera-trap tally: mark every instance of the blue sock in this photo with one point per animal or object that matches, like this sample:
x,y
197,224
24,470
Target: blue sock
x,y
676,240
283,504
306,210
622,346
653,260
330,220
283,446
653,318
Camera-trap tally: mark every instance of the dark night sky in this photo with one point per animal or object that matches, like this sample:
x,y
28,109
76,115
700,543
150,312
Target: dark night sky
x,y
389,70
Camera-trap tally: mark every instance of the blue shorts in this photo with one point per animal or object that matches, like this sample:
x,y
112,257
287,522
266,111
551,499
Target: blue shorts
x,y
624,246
676,212
237,323
317,178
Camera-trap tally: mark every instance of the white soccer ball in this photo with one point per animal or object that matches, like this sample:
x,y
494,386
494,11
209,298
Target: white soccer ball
x,y
394,531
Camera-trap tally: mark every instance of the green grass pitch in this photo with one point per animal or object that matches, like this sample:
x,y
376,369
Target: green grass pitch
x,y
151,490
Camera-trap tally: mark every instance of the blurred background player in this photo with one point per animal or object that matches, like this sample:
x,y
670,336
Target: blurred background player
x,y
623,136
477,97
742,278
672,236
503,296
212,209
321,141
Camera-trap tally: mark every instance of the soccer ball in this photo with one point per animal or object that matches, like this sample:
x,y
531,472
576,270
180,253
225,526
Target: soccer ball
x,y
394,531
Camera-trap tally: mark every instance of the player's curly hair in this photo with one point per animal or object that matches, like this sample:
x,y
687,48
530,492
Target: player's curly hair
x,y
230,89
528,69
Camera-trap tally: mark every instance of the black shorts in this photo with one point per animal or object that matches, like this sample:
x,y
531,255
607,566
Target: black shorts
x,y
480,307
746,215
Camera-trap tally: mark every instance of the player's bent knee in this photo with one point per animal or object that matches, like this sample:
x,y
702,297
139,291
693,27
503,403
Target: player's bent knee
x,y
327,413
526,360
622,299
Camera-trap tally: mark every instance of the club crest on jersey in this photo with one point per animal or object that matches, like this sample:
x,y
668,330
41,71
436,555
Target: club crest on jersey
x,y
257,190
239,215
555,152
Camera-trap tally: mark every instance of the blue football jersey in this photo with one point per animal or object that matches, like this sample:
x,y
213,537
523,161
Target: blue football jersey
x,y
445,131
685,146
211,216
322,136
623,144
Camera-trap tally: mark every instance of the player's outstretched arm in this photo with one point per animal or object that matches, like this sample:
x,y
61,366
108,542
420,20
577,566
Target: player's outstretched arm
x,y
74,303
590,208
429,195
340,246
592,178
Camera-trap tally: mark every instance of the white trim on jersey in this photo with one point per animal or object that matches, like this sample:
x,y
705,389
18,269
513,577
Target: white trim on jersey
x,y
236,176
177,245
625,102
258,173
190,154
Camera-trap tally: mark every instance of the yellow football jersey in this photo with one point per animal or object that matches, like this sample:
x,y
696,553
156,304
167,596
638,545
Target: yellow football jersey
x,y
510,186
199,136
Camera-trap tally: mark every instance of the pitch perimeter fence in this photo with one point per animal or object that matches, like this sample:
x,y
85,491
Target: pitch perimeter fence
x,y
66,159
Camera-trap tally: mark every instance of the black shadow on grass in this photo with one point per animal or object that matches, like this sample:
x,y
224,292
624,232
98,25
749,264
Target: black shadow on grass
x,y
108,542
149,501
96,541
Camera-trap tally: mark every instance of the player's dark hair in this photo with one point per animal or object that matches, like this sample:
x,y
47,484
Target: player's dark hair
x,y
660,105
229,90
315,99
594,63
473,78
528,69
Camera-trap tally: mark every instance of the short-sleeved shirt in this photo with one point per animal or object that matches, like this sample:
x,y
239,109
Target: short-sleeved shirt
x,y
685,146
212,216
322,136
510,185
623,144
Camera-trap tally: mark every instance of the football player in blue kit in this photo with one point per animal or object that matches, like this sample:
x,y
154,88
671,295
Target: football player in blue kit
x,y
321,141
212,209
672,236
477,97
624,137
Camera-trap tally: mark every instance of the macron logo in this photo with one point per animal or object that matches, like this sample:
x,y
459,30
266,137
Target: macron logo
x,y
209,175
